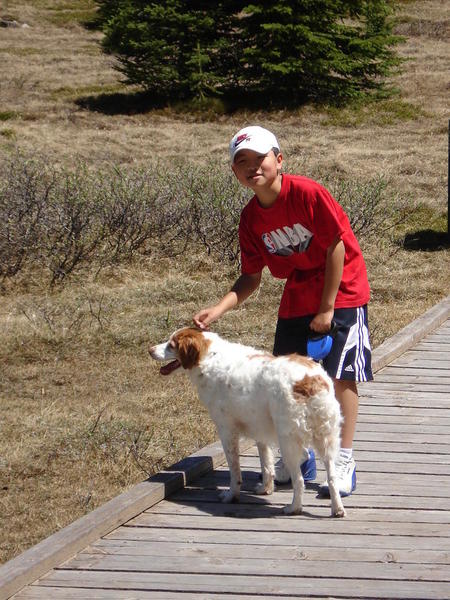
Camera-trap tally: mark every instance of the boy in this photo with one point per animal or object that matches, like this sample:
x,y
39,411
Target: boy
x,y
294,226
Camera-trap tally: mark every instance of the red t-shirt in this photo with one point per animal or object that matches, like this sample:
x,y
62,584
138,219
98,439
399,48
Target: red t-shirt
x,y
291,238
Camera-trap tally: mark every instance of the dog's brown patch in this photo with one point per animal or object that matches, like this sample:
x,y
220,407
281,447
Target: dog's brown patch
x,y
302,360
309,386
241,427
266,356
191,346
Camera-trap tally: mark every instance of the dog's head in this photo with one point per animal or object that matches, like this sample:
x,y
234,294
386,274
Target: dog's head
x,y
185,348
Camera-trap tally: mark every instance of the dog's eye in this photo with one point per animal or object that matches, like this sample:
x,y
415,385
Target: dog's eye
x,y
172,344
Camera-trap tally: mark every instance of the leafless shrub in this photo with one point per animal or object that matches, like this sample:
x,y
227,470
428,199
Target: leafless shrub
x,y
374,210
67,221
215,204
140,212
24,194
72,231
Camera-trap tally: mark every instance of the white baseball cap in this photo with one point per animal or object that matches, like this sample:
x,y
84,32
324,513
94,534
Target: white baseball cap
x,y
253,138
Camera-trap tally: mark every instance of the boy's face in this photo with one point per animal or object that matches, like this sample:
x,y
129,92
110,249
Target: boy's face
x,y
255,170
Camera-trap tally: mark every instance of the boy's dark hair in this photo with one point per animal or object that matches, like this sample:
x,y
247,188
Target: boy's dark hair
x,y
276,151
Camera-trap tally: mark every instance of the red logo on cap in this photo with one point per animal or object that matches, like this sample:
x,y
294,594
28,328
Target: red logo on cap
x,y
240,139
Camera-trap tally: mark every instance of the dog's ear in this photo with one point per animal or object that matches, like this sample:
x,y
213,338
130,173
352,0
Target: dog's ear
x,y
189,348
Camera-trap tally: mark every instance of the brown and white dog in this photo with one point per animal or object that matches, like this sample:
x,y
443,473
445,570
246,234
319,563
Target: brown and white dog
x,y
286,400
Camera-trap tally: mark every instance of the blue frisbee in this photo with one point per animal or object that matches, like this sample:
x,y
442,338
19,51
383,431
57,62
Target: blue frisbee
x,y
319,346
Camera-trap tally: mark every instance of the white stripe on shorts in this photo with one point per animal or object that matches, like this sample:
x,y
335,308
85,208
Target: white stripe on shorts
x,y
358,338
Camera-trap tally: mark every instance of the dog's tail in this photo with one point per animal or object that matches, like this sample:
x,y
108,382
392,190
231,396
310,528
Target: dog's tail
x,y
324,420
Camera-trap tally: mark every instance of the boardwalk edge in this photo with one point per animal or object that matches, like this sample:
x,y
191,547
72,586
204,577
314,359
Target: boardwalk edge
x,y
62,545
394,346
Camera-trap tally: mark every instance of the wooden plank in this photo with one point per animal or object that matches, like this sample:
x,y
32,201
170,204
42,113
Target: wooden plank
x,y
378,453
249,566
387,414
423,380
70,593
429,397
433,346
397,392
411,398
267,551
432,424
442,332
433,339
429,360
438,363
373,477
430,443
356,500
281,538
436,432
245,511
370,483
401,412
413,354
346,586
367,462
325,525
400,446
405,386
438,371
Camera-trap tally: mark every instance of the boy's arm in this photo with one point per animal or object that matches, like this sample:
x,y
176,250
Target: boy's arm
x,y
334,267
244,286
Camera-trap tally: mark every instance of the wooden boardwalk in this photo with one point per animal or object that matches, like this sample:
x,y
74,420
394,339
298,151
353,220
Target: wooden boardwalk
x,y
394,543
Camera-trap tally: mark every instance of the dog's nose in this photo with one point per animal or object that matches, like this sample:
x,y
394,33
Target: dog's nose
x,y
151,350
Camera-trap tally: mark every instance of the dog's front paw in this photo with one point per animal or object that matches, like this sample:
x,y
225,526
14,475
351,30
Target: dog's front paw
x,y
291,509
264,489
227,496
338,513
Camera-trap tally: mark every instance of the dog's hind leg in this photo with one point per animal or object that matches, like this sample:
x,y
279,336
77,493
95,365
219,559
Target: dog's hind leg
x,y
292,453
337,508
267,469
230,443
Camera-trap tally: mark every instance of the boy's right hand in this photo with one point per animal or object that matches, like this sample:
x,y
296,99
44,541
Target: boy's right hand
x,y
206,316
244,286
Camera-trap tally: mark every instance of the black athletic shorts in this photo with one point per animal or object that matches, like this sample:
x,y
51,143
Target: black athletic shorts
x,y
350,355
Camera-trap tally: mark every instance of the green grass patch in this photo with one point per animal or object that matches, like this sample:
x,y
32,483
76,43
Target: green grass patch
x,y
64,13
425,229
21,51
8,133
7,115
426,217
373,112
70,17
73,93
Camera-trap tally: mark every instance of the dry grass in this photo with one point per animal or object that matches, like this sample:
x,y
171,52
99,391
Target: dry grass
x,y
83,411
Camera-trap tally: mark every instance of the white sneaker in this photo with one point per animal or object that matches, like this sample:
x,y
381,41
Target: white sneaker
x,y
345,477
282,475
308,469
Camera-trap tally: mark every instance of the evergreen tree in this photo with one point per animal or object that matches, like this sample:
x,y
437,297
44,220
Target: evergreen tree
x,y
317,48
282,52
172,48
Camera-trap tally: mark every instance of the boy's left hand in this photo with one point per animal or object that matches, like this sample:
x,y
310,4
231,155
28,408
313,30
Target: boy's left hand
x,y
322,322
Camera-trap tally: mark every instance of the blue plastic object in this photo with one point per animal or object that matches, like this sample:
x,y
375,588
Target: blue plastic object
x,y
308,468
318,346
